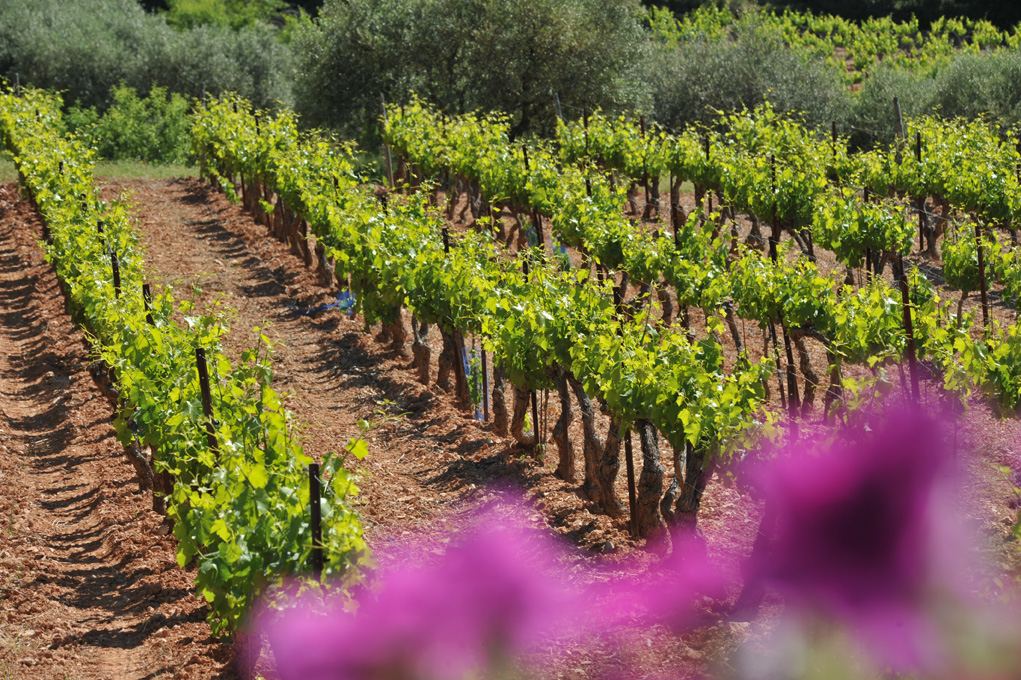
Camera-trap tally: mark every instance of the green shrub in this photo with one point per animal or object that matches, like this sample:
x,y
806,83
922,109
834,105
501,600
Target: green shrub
x,y
232,13
153,129
698,77
981,85
464,55
87,47
873,121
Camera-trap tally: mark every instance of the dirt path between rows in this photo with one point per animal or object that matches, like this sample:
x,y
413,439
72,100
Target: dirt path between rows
x,y
428,463
89,588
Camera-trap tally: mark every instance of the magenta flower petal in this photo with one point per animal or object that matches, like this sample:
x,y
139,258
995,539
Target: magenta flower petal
x,y
496,593
857,532
665,594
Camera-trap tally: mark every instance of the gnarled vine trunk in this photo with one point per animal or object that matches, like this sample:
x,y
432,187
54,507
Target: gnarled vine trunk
x,y
654,193
811,377
632,198
677,216
421,351
835,391
323,270
698,469
731,321
517,427
650,483
602,457
500,419
937,229
451,361
592,447
162,485
755,238
561,435
454,190
607,467
666,506
306,250
398,334
667,304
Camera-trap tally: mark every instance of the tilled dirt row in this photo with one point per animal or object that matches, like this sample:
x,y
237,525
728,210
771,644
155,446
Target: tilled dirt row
x,y
429,464
89,586
428,461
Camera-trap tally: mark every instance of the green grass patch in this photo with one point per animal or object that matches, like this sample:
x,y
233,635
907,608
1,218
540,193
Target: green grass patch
x,y
108,170
7,171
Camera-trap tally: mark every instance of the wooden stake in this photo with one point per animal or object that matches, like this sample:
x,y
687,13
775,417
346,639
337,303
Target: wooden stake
x,y
386,149
207,401
485,388
674,218
116,275
921,199
708,191
776,358
631,495
584,117
147,302
793,399
535,420
588,182
982,273
908,327
317,521
645,169
774,238
900,128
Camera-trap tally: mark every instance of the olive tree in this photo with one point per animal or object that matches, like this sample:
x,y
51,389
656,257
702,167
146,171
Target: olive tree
x,y
466,55
88,47
695,79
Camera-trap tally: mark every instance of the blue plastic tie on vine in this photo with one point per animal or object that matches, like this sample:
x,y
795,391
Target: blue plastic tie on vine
x,y
345,301
530,235
472,377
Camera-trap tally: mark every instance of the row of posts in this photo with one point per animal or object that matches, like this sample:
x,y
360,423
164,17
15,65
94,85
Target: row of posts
x,y
202,367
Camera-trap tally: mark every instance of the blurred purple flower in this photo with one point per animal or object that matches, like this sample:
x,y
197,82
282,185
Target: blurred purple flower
x,y
667,593
498,592
489,598
859,536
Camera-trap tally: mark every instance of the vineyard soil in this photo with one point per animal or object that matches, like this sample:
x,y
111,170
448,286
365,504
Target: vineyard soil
x,y
429,464
427,460
90,588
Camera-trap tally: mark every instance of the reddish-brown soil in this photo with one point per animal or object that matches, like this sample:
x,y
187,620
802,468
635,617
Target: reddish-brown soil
x,y
91,589
429,464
